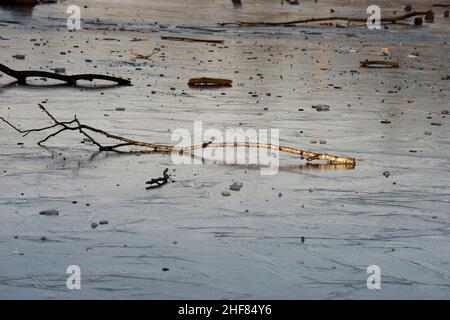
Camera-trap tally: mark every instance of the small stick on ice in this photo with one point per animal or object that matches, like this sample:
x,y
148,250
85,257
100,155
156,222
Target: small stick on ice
x,y
378,63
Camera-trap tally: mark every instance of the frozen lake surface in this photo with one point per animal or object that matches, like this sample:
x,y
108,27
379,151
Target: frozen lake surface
x,y
186,240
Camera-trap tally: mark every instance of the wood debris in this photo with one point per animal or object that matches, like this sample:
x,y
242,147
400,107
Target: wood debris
x,y
86,130
378,64
158,182
308,20
140,56
22,76
191,39
209,82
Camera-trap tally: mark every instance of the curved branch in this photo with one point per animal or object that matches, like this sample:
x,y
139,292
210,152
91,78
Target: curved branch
x,y
21,76
82,128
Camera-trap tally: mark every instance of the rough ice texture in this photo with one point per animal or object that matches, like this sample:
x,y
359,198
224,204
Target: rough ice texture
x,y
247,245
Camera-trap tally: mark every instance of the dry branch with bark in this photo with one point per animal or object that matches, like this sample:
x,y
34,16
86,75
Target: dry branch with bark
x,y
88,131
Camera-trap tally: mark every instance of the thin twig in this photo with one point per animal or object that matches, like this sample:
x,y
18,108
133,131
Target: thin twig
x,y
145,56
190,39
348,19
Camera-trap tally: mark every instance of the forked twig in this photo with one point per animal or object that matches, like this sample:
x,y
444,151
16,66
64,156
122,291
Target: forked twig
x,y
76,125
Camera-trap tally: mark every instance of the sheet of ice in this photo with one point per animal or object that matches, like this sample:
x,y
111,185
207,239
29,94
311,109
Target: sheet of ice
x,y
247,245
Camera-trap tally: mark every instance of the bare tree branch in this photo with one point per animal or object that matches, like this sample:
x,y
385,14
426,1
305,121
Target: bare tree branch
x,y
348,19
76,125
22,76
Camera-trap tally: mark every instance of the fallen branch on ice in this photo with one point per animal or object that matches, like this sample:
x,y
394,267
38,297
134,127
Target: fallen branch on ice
x,y
22,76
158,182
378,63
76,125
348,19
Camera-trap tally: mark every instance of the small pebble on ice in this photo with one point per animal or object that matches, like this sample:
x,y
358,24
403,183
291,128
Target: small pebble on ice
x,y
52,212
321,107
59,70
236,186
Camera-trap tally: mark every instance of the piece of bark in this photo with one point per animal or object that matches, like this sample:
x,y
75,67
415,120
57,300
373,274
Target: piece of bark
x,y
377,64
209,82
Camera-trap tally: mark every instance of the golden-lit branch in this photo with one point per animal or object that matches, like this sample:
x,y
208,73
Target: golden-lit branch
x,y
76,125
